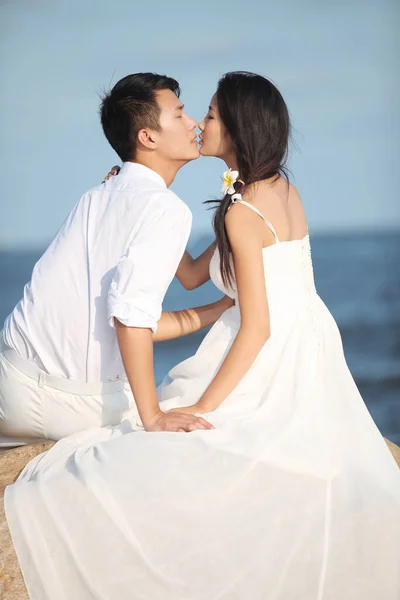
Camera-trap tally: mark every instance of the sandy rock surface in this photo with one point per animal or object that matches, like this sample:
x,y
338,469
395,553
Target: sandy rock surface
x,y
11,463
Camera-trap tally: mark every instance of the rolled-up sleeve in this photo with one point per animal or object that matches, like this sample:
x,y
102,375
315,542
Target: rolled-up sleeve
x,y
145,272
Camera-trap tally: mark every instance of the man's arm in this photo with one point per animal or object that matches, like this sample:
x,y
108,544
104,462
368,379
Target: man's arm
x,y
136,347
135,297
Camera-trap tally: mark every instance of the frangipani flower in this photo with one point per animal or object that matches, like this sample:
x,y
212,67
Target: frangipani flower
x,y
229,178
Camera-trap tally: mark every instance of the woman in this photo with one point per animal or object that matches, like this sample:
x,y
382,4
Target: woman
x,y
294,493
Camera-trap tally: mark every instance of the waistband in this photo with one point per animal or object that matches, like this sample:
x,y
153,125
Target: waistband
x,y
43,379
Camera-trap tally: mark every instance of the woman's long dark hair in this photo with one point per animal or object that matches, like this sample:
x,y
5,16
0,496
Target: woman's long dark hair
x,y
255,116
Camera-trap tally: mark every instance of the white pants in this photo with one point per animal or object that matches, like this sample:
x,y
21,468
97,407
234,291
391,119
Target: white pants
x,y
35,406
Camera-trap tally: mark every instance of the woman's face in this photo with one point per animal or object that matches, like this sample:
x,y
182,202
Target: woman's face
x,y
214,138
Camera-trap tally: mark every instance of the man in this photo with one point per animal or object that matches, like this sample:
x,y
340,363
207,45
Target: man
x,y
81,339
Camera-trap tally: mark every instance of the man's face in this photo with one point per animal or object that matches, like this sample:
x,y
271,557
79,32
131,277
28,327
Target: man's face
x,y
177,138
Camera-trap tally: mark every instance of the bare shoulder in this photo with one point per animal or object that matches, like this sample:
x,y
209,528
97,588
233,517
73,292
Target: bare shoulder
x,y
233,217
294,194
243,226
281,204
293,191
265,192
294,199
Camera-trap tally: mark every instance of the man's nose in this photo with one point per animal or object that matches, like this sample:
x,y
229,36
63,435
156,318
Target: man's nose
x,y
192,123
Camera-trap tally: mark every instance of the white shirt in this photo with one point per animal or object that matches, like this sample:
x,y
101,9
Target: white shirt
x,y
115,256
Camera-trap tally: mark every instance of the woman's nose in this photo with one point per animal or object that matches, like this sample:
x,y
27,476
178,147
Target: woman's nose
x,y
201,125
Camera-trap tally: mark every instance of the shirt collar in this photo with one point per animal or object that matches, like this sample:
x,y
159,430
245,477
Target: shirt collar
x,y
137,170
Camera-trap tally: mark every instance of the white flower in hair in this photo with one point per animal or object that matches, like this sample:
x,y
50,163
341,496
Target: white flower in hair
x,y
229,178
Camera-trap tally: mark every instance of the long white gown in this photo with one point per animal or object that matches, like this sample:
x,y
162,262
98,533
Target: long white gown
x,y
293,496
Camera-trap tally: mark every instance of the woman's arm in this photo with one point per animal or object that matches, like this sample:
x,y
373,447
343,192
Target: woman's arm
x,y
182,322
245,231
193,272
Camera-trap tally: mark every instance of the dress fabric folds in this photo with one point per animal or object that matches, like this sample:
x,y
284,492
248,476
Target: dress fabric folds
x,y
293,496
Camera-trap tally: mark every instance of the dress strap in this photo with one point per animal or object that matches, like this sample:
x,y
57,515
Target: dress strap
x,y
238,198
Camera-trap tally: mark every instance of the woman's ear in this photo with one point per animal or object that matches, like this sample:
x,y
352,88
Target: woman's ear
x,y
147,139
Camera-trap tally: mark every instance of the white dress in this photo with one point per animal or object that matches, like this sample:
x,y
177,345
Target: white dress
x,y
293,496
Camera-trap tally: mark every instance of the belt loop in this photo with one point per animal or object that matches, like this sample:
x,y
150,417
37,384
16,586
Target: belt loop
x,y
41,379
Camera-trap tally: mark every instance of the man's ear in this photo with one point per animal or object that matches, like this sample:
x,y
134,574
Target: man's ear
x,y
147,138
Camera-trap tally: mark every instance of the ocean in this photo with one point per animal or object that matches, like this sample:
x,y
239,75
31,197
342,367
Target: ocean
x,y
356,274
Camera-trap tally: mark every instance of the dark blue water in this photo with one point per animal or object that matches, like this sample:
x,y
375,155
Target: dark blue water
x,y
358,277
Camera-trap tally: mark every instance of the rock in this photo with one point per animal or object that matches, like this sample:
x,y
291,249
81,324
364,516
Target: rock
x,y
395,450
12,585
12,462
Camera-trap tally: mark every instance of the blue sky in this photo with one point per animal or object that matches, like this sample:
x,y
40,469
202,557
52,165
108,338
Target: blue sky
x,y
336,63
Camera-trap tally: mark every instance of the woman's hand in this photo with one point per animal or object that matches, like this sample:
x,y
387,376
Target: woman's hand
x,y
181,422
113,171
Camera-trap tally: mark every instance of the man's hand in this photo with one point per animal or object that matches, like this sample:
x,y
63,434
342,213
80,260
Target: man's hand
x,y
176,421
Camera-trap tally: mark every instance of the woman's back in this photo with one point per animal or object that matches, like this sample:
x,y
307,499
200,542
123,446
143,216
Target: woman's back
x,y
280,203
279,222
